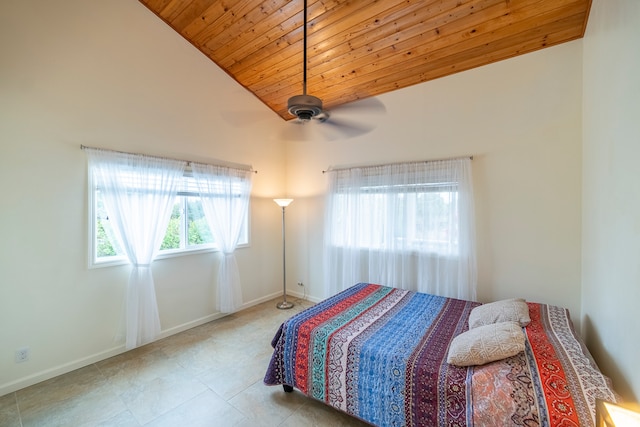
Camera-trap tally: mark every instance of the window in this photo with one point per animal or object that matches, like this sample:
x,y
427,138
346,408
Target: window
x,y
414,217
408,225
187,230
187,227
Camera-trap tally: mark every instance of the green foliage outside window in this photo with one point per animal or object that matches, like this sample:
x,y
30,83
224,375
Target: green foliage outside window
x,y
105,248
187,229
198,230
172,238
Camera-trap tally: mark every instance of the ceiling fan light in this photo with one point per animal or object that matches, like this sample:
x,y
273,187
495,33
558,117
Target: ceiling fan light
x,y
305,115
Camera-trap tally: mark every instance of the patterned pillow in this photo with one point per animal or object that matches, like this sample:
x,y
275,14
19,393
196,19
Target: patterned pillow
x,y
485,344
508,310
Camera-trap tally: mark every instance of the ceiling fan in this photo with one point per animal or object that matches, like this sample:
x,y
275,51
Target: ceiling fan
x,y
307,107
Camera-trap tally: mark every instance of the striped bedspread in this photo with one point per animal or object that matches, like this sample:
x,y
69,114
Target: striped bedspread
x,y
379,354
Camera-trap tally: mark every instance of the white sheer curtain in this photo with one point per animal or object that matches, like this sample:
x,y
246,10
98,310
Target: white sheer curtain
x,y
138,193
225,198
409,226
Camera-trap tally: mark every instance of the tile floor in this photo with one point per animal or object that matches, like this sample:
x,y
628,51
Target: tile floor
x,y
210,375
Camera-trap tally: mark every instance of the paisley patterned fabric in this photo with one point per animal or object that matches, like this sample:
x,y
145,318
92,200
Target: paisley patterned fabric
x,y
554,382
379,354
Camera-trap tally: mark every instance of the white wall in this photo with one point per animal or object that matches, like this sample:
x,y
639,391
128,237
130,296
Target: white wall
x,y
521,120
112,75
611,191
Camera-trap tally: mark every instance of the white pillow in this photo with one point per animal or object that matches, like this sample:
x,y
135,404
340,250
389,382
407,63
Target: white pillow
x,y
508,310
485,344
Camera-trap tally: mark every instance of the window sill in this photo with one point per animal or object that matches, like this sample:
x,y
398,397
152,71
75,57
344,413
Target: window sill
x,y
121,260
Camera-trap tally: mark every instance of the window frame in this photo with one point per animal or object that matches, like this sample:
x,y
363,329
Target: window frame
x,y
118,260
410,193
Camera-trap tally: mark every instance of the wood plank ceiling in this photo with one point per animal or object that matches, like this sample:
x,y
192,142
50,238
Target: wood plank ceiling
x,y
362,48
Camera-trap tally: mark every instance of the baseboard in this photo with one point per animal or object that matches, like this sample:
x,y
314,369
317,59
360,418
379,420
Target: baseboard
x,y
47,374
302,295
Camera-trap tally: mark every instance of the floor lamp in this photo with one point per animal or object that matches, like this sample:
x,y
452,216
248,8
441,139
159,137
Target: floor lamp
x,y
283,203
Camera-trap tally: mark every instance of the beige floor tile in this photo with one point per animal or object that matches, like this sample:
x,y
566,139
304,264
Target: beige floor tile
x,y
187,340
89,409
123,419
81,397
125,372
207,354
59,389
206,409
9,415
227,381
207,376
269,405
149,400
316,414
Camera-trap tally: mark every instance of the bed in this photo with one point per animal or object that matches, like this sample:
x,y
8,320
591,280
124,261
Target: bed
x,y
380,354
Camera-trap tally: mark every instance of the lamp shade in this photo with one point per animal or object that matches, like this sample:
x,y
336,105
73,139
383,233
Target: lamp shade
x,y
283,203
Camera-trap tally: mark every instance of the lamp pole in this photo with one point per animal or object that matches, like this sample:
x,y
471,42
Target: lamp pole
x,y
284,304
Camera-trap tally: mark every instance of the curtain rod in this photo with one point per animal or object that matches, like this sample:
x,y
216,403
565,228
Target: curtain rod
x,y
330,169
188,162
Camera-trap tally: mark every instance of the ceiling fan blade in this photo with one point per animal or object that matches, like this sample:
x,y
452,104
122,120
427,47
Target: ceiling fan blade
x,y
361,106
339,128
329,129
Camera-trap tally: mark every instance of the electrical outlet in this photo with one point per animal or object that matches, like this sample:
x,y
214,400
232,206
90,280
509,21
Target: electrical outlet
x,y
300,284
22,355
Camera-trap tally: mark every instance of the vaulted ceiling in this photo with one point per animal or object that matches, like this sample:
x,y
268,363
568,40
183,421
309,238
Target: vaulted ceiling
x,y
361,48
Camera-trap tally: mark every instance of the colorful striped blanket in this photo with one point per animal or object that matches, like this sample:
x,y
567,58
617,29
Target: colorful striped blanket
x,y
379,354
